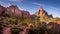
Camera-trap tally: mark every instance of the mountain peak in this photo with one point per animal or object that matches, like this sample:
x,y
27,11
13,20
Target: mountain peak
x,y
41,8
42,12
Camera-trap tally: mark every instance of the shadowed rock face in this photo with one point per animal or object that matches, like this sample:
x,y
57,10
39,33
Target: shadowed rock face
x,y
50,16
2,10
55,29
25,14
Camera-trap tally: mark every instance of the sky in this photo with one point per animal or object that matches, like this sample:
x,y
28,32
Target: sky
x,y
50,6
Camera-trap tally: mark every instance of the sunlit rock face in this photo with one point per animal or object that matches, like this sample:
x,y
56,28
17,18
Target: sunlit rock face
x,y
14,11
42,12
2,10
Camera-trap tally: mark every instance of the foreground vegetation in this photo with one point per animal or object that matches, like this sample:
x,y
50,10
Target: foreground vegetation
x,y
19,23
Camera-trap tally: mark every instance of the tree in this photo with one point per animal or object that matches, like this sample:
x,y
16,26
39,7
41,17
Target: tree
x,y
6,15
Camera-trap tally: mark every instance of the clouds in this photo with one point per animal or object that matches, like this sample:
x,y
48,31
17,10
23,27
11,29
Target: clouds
x,y
16,0
4,4
38,4
7,3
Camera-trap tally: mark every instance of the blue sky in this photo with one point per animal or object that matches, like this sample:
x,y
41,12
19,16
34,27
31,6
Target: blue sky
x,y
51,6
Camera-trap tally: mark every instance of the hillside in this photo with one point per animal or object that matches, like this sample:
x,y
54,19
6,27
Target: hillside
x,y
13,17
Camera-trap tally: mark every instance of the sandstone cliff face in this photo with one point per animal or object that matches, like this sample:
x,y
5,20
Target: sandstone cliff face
x,y
42,12
53,28
2,10
14,11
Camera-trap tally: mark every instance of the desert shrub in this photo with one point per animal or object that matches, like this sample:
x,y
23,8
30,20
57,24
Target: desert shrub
x,y
15,30
6,15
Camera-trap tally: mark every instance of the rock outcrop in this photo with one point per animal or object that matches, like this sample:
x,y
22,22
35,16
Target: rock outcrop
x,y
14,11
2,10
25,14
50,16
42,12
53,28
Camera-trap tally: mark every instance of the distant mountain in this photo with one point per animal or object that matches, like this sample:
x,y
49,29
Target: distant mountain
x,y
42,12
14,11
